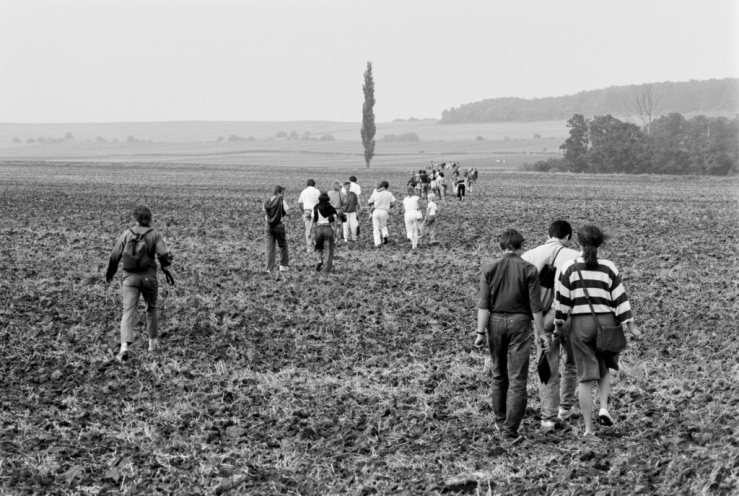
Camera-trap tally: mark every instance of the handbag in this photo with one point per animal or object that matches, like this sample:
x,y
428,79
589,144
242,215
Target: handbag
x,y
546,276
545,373
609,340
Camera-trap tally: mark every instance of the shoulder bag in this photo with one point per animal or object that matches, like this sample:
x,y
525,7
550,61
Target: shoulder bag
x,y
609,340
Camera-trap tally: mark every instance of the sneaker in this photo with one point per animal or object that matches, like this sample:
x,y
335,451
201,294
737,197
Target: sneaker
x,y
284,268
385,240
605,418
590,437
154,346
548,425
564,413
319,266
122,356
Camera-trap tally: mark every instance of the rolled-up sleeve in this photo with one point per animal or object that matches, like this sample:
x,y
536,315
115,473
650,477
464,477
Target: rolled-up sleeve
x,y
483,303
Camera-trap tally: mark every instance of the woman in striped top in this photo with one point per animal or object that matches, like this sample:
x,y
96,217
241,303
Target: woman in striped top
x,y
611,306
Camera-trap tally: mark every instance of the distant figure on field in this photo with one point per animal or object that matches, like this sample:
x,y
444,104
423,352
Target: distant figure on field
x,y
352,209
585,281
276,209
138,247
338,200
412,217
509,299
324,217
382,200
308,200
429,222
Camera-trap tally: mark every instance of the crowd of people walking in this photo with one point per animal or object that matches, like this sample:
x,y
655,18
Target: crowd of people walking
x,y
555,298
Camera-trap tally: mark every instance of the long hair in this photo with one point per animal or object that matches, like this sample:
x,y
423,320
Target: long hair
x,y
590,238
336,185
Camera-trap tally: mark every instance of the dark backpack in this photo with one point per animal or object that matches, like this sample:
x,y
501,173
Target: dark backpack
x,y
135,253
274,212
548,272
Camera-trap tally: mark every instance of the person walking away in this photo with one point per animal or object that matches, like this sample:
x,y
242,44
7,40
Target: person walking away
x,y
440,181
460,187
352,209
338,200
509,299
308,200
412,214
558,394
433,185
429,222
610,305
424,184
382,200
138,247
324,217
275,209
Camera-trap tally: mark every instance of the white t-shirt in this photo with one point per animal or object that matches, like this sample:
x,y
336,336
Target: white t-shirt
x,y
410,203
309,197
354,188
381,199
431,208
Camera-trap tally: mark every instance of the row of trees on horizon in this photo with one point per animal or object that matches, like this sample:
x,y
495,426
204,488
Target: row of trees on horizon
x,y
669,144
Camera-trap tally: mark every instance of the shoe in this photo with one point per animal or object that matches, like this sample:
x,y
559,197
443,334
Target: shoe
x,y
564,413
284,268
154,346
319,266
122,356
605,418
548,425
384,240
590,437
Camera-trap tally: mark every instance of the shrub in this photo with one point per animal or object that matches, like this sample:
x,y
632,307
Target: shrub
x,y
131,139
16,140
294,135
553,164
30,140
69,136
281,134
400,137
537,136
100,139
327,137
479,138
220,139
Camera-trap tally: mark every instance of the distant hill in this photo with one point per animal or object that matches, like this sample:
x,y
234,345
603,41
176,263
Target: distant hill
x,y
710,96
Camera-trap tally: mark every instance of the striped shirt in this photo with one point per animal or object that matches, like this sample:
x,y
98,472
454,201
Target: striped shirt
x,y
604,287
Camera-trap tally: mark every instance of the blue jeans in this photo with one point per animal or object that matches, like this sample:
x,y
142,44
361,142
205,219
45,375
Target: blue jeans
x,y
509,338
146,285
561,389
325,235
276,234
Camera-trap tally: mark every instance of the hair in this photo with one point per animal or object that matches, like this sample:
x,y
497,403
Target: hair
x,y
411,191
590,238
336,185
441,174
431,196
278,189
511,240
323,198
385,184
560,229
353,179
347,183
311,182
142,214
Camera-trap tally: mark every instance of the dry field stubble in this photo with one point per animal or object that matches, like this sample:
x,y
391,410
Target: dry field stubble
x,y
360,381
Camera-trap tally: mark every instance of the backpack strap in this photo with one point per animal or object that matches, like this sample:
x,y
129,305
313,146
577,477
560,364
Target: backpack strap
x,y
556,254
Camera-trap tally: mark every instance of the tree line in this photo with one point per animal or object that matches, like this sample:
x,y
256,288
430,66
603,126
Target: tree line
x,y
671,144
693,96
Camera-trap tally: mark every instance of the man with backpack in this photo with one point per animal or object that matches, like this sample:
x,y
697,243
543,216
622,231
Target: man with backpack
x,y
137,247
558,394
275,209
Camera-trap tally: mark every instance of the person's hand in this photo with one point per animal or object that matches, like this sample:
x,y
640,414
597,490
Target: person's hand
x,y
479,340
544,341
635,332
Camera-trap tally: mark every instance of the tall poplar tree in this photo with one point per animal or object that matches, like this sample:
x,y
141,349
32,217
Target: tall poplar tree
x,y
368,116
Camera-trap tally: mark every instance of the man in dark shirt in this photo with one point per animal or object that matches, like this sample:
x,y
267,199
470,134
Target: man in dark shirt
x,y
509,299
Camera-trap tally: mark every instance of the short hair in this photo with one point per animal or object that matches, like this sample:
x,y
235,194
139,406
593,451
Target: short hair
x,y
385,184
142,214
347,183
278,189
560,229
336,185
431,196
510,240
311,182
353,179
411,191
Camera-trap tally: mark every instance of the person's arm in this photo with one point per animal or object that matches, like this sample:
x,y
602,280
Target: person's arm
x,y
622,307
115,258
285,208
562,302
483,309
483,316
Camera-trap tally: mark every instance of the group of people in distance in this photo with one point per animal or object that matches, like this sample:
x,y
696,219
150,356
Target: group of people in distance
x,y
332,216
433,180
585,293
565,323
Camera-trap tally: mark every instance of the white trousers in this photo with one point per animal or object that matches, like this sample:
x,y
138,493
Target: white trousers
x,y
411,227
351,223
379,224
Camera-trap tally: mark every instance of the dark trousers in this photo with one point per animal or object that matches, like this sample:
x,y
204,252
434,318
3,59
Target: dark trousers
x,y
509,337
276,234
325,235
460,191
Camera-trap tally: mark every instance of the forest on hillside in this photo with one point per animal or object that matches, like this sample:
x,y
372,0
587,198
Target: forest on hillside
x,y
713,95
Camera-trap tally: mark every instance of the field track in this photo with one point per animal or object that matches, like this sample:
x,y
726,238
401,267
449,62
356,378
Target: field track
x,y
362,381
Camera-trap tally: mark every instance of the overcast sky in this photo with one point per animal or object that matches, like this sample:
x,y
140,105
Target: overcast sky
x,y
153,60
